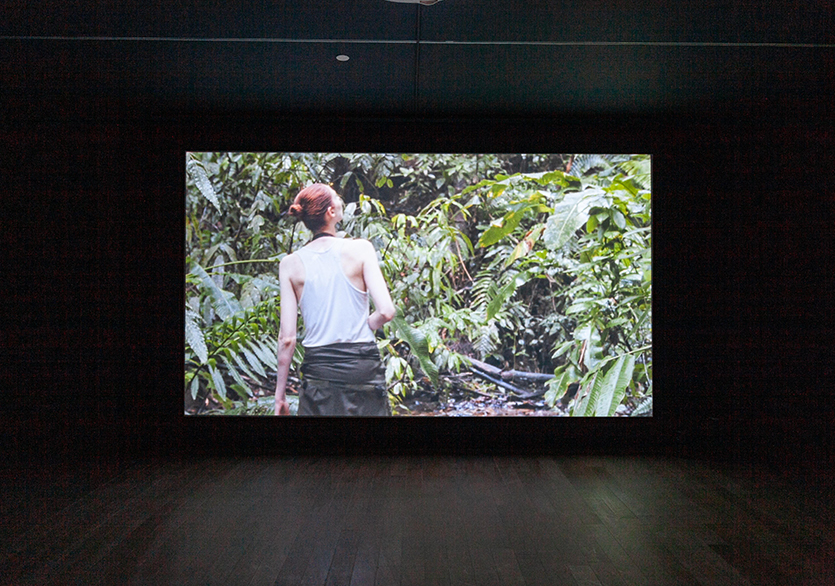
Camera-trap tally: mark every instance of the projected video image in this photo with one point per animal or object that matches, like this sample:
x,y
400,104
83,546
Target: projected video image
x,y
444,285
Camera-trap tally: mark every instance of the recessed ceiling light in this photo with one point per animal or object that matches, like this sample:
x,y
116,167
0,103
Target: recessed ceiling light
x,y
342,57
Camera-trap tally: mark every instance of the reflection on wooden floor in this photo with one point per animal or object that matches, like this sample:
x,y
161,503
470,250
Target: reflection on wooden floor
x,y
422,520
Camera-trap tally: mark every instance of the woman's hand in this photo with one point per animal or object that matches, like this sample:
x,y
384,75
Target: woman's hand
x,y
282,407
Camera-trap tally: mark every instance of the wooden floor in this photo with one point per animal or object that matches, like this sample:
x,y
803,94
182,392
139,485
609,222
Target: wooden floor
x,y
439,520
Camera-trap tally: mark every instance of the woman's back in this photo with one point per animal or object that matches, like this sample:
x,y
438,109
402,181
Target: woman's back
x,y
333,308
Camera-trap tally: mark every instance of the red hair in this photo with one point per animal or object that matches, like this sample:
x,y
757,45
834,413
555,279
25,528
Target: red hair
x,y
311,204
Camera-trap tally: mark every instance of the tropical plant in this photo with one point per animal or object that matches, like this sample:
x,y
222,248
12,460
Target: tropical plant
x,y
540,262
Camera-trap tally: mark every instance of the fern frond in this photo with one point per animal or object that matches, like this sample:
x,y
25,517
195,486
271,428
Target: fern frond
x,y
201,180
484,289
268,352
644,408
241,364
217,379
585,163
223,302
195,337
233,372
488,281
487,339
253,361
640,168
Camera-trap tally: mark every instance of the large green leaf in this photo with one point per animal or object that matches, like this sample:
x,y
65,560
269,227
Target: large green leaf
x,y
614,385
569,215
606,389
419,346
557,386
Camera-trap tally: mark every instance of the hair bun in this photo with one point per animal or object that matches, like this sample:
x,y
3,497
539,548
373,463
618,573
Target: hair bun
x,y
296,210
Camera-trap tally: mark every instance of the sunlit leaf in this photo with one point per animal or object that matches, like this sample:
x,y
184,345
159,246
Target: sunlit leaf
x,y
194,336
614,386
201,180
569,215
525,245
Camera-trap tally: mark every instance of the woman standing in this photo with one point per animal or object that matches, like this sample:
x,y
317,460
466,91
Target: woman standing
x,y
330,279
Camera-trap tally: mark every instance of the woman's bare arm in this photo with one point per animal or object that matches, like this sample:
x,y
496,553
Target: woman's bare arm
x,y
286,332
376,286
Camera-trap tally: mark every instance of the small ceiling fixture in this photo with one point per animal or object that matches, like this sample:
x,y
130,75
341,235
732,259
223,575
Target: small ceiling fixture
x,y
342,57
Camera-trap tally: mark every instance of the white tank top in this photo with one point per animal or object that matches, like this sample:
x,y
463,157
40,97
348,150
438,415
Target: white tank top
x,y
333,309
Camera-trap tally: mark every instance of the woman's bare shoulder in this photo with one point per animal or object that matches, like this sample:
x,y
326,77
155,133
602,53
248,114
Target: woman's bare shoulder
x,y
290,264
359,246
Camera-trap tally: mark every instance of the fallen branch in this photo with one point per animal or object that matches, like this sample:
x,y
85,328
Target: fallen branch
x,y
509,374
499,377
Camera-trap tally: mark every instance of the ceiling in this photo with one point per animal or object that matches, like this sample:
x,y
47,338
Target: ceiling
x,y
458,57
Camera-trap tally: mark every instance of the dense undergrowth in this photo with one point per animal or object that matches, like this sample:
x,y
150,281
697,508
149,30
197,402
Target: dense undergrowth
x,y
535,263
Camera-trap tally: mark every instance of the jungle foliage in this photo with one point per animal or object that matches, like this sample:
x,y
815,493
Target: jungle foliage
x,y
538,263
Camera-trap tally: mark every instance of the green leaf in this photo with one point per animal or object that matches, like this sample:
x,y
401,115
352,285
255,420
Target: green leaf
x,y
237,377
498,189
255,224
613,386
195,386
500,229
241,364
585,395
525,245
557,386
198,174
223,302
217,379
569,215
419,345
254,362
505,293
267,354
194,336
259,351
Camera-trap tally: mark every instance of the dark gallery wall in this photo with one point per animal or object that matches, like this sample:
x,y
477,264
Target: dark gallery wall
x,y
743,285
99,101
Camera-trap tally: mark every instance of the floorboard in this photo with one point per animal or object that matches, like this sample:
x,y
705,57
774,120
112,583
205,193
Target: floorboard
x,y
445,521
